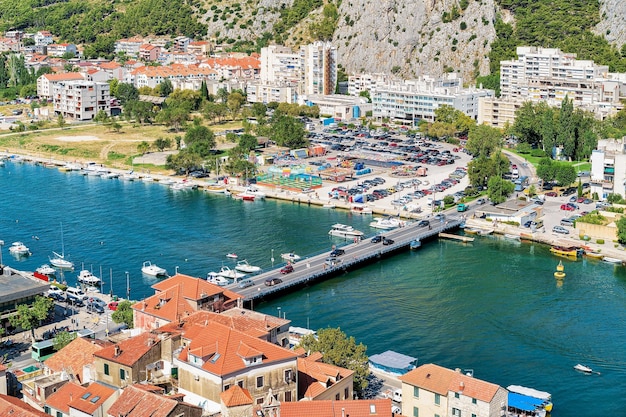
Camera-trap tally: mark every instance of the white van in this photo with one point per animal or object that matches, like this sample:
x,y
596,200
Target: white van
x,y
76,292
397,395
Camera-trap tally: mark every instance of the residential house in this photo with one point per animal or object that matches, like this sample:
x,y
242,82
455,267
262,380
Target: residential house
x,y
608,168
432,390
178,297
176,57
13,406
9,45
36,391
149,53
236,401
75,400
129,47
129,361
113,69
136,401
76,359
181,43
3,379
58,49
94,74
36,61
43,37
202,48
81,100
215,357
47,81
322,381
319,68
344,408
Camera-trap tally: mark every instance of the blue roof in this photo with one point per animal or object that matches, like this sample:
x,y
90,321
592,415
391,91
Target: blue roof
x,y
523,402
393,361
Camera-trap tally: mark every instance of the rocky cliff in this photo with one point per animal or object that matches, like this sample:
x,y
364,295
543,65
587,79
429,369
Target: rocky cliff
x,y
613,24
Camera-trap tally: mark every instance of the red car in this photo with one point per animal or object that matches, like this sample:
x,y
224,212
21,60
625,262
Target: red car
x,y
566,207
580,199
552,194
113,305
286,269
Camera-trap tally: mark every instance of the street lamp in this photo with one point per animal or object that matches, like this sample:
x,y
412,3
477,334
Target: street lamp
x,y
127,286
1,264
278,311
272,258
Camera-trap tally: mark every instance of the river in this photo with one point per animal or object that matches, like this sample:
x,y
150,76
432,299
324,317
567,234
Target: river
x,y
492,306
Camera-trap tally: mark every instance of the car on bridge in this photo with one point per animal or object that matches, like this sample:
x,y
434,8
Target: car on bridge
x,y
270,282
337,252
377,239
423,223
286,269
387,241
245,283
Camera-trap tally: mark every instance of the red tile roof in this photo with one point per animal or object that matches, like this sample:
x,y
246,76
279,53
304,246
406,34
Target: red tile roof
x,y
352,408
231,344
135,402
110,65
314,376
236,396
130,350
60,399
65,76
442,380
14,407
98,394
193,288
78,353
169,304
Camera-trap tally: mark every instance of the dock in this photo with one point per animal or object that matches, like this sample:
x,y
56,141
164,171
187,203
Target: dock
x,y
314,268
457,237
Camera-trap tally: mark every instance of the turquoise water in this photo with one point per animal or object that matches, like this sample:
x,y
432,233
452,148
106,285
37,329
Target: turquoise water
x,y
492,306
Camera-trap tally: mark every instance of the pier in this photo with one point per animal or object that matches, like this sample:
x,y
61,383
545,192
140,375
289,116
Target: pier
x,y
315,268
464,239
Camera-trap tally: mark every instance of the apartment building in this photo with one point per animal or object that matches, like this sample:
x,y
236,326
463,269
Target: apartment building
x,y
367,82
412,100
608,168
280,65
43,37
59,49
319,68
129,46
81,100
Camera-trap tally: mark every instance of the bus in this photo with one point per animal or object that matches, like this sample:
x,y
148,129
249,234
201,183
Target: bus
x,y
43,350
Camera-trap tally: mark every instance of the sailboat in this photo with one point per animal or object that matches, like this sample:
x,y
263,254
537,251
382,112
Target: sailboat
x,y
59,260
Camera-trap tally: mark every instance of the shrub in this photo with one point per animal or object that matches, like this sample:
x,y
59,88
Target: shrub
x,y
600,241
463,25
538,153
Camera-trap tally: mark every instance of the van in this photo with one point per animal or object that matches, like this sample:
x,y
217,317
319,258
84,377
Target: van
x,y
76,292
397,395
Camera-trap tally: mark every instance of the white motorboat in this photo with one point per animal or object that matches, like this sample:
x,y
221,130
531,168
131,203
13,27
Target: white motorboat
x,y
386,223
360,208
177,186
583,368
46,269
244,266
147,178
166,181
110,175
226,272
130,176
255,192
216,279
70,167
329,205
291,257
153,270
87,278
612,260
232,255
19,249
343,230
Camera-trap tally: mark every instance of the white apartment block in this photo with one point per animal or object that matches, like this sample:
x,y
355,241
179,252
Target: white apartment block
x,y
319,64
280,65
80,100
43,37
608,168
46,82
497,112
129,47
413,100
266,93
367,82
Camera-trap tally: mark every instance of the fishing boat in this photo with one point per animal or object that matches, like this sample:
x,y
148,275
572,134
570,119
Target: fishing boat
x,y
583,368
58,260
87,278
291,257
342,230
610,260
244,266
153,270
568,251
19,249
415,244
215,189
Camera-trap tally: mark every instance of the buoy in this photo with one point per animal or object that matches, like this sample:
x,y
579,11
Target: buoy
x,y
559,274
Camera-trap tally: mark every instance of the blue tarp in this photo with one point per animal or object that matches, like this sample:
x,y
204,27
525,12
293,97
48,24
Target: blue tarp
x,y
391,361
523,402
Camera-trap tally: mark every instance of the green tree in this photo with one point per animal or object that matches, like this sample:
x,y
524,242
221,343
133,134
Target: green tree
x,y
483,140
200,140
565,174
126,92
161,144
183,161
60,120
143,147
621,230
499,189
63,339
546,170
565,133
340,350
101,117
259,111
124,314
222,95
30,316
234,103
248,142
288,131
166,88
615,198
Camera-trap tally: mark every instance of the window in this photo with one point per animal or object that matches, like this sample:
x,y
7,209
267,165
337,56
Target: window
x,y
337,398
474,401
122,374
416,392
259,382
46,409
240,383
259,400
226,387
438,399
473,415
106,369
59,414
287,396
456,412
346,393
457,395
288,375
416,412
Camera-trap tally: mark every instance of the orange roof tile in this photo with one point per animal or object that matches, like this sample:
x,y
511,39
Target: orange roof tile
x,y
314,375
236,396
130,350
352,408
65,76
110,65
442,380
228,342
63,396
98,394
135,402
14,407
169,304
78,353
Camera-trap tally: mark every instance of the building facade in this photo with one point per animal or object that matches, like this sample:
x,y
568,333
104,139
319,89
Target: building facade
x,y
81,100
319,68
608,168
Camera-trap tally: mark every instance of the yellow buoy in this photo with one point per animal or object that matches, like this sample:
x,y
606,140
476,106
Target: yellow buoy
x,y
559,274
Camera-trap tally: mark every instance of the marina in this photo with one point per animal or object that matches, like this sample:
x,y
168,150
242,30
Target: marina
x,y
493,306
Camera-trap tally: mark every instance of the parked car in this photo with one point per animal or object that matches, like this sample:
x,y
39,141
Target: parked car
x,y
337,252
95,307
481,201
72,299
273,281
113,305
551,194
286,269
245,283
567,207
560,229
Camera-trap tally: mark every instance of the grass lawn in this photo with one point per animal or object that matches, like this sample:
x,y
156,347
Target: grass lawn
x,y
534,160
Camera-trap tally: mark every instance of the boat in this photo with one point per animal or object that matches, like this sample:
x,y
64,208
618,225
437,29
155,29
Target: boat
x,y
153,270
19,249
59,260
70,167
612,260
215,189
568,251
166,181
529,401
232,255
110,175
511,236
244,266
583,368
226,272
386,223
245,196
87,278
130,176
343,230
471,231
415,244
360,208
177,186
291,257
46,269
329,205
216,279
593,255
147,178
255,192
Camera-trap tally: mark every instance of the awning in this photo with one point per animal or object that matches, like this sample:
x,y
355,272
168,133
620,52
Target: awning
x,y
523,402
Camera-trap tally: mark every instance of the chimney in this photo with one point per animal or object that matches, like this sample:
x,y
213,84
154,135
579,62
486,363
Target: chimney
x,y
117,350
461,386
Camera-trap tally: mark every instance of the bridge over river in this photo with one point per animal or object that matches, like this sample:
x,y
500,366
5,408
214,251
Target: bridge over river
x,y
314,268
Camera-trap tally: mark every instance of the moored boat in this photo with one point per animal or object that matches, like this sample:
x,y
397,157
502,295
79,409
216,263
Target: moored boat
x,y
216,279
530,401
511,236
568,251
153,270
343,230
46,269
244,266
215,189
386,223
226,272
329,205
415,244
19,249
610,260
87,278
593,255
59,261
290,256
360,208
